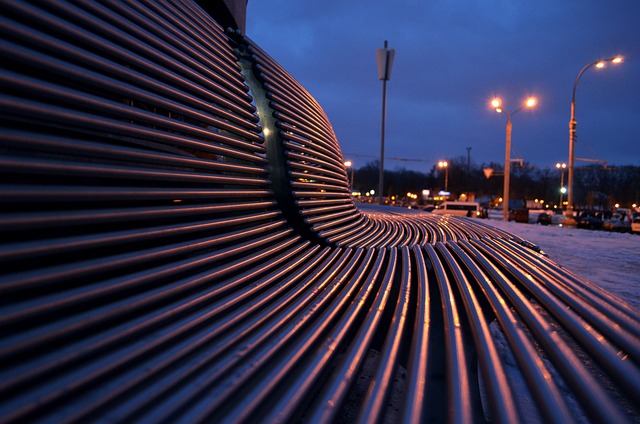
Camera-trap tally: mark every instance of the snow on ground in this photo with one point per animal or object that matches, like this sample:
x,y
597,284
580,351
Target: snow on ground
x,y
610,260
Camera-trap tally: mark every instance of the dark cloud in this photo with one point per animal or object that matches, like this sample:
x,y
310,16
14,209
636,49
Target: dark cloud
x,y
451,58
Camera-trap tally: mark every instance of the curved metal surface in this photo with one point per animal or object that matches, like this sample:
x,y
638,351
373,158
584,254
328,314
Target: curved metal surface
x,y
178,243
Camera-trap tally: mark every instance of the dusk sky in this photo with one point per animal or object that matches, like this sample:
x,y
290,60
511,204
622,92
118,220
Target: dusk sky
x,y
452,57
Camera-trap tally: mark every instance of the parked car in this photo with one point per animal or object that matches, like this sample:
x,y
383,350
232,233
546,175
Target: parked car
x,y
590,220
544,218
468,209
519,215
635,225
620,221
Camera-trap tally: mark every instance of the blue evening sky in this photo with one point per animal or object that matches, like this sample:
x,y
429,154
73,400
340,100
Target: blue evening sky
x,y
452,57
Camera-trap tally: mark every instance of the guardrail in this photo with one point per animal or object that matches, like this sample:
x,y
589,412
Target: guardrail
x,y
179,244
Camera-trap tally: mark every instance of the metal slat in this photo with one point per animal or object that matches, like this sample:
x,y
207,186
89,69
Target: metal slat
x,y
457,368
128,356
390,355
241,309
300,389
100,45
56,193
549,398
27,141
85,243
110,109
186,27
117,38
259,351
591,395
594,296
294,358
603,350
114,322
47,276
277,79
500,397
11,222
95,64
339,233
116,174
89,78
145,29
334,393
417,385
308,143
49,113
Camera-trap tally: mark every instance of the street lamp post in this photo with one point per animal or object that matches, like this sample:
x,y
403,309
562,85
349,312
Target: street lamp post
x,y
444,164
572,134
497,105
561,167
349,165
384,57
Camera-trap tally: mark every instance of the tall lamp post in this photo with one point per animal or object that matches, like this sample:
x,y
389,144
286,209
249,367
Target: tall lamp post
x,y
561,167
496,103
444,164
572,134
384,57
349,165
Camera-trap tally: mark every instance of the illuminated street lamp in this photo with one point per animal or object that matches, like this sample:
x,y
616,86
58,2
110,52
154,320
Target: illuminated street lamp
x,y
348,164
572,134
445,165
496,103
561,167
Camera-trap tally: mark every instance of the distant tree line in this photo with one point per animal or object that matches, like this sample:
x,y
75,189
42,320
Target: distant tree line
x,y
594,186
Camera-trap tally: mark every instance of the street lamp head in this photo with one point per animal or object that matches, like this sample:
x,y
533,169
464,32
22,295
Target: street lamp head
x,y
443,164
531,102
347,163
561,165
496,103
603,63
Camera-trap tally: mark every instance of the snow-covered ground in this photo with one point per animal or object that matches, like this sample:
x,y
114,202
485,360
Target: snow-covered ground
x,y
610,260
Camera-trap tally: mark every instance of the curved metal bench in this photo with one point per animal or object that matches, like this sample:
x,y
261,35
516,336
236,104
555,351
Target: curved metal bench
x,y
179,244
